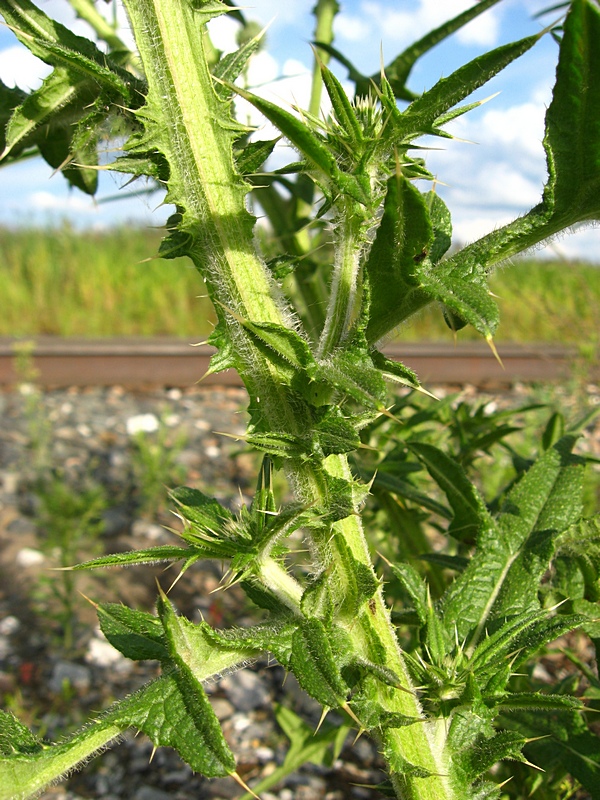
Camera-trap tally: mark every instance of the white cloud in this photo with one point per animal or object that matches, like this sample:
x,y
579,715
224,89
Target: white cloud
x,y
407,26
223,31
352,29
483,31
46,201
18,67
281,13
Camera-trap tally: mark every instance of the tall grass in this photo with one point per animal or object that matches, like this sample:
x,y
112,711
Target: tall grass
x,y
67,283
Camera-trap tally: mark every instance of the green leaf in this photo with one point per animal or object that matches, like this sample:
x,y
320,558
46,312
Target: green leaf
x,y
308,143
15,737
386,479
402,236
200,651
572,139
58,46
504,576
572,143
357,378
343,109
253,155
394,370
26,769
538,702
231,65
314,665
519,638
441,223
10,99
423,114
57,91
150,555
470,512
202,511
478,759
415,587
467,298
174,711
136,634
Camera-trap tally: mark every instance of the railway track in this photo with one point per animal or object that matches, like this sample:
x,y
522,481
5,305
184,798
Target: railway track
x,y
146,363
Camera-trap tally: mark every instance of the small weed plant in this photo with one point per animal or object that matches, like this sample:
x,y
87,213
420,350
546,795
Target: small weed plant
x,y
445,686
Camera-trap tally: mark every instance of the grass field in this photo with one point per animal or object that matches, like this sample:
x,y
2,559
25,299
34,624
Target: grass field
x,y
64,283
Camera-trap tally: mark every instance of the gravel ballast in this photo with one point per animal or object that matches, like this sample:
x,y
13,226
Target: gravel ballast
x,y
97,443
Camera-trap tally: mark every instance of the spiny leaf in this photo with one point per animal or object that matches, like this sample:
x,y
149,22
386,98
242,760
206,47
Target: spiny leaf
x,y
470,512
398,70
402,236
343,109
308,143
538,701
199,509
415,587
150,555
15,737
394,370
504,575
175,712
572,139
42,105
422,115
58,46
314,665
476,761
138,635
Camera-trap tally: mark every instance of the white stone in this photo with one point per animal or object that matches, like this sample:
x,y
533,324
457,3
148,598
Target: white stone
x,y
103,654
212,451
28,557
142,423
147,530
9,625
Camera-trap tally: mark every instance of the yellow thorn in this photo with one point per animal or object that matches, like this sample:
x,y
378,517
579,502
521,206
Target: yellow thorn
x,y
492,346
358,735
323,715
244,786
351,714
85,597
176,580
152,754
533,766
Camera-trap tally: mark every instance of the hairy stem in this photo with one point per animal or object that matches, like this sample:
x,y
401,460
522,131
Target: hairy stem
x,y
350,236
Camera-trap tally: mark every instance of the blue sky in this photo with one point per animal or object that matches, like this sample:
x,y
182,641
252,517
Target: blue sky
x,y
496,174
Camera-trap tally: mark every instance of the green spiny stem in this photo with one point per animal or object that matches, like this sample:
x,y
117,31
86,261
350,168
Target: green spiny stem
x,y
419,743
351,237
191,129
203,181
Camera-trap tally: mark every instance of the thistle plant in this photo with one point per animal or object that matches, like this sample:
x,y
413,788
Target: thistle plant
x,y
451,703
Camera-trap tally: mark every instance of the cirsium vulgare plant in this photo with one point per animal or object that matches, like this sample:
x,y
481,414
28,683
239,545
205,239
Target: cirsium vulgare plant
x,y
303,334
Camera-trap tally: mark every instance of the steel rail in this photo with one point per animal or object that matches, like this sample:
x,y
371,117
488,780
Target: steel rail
x,y
146,363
